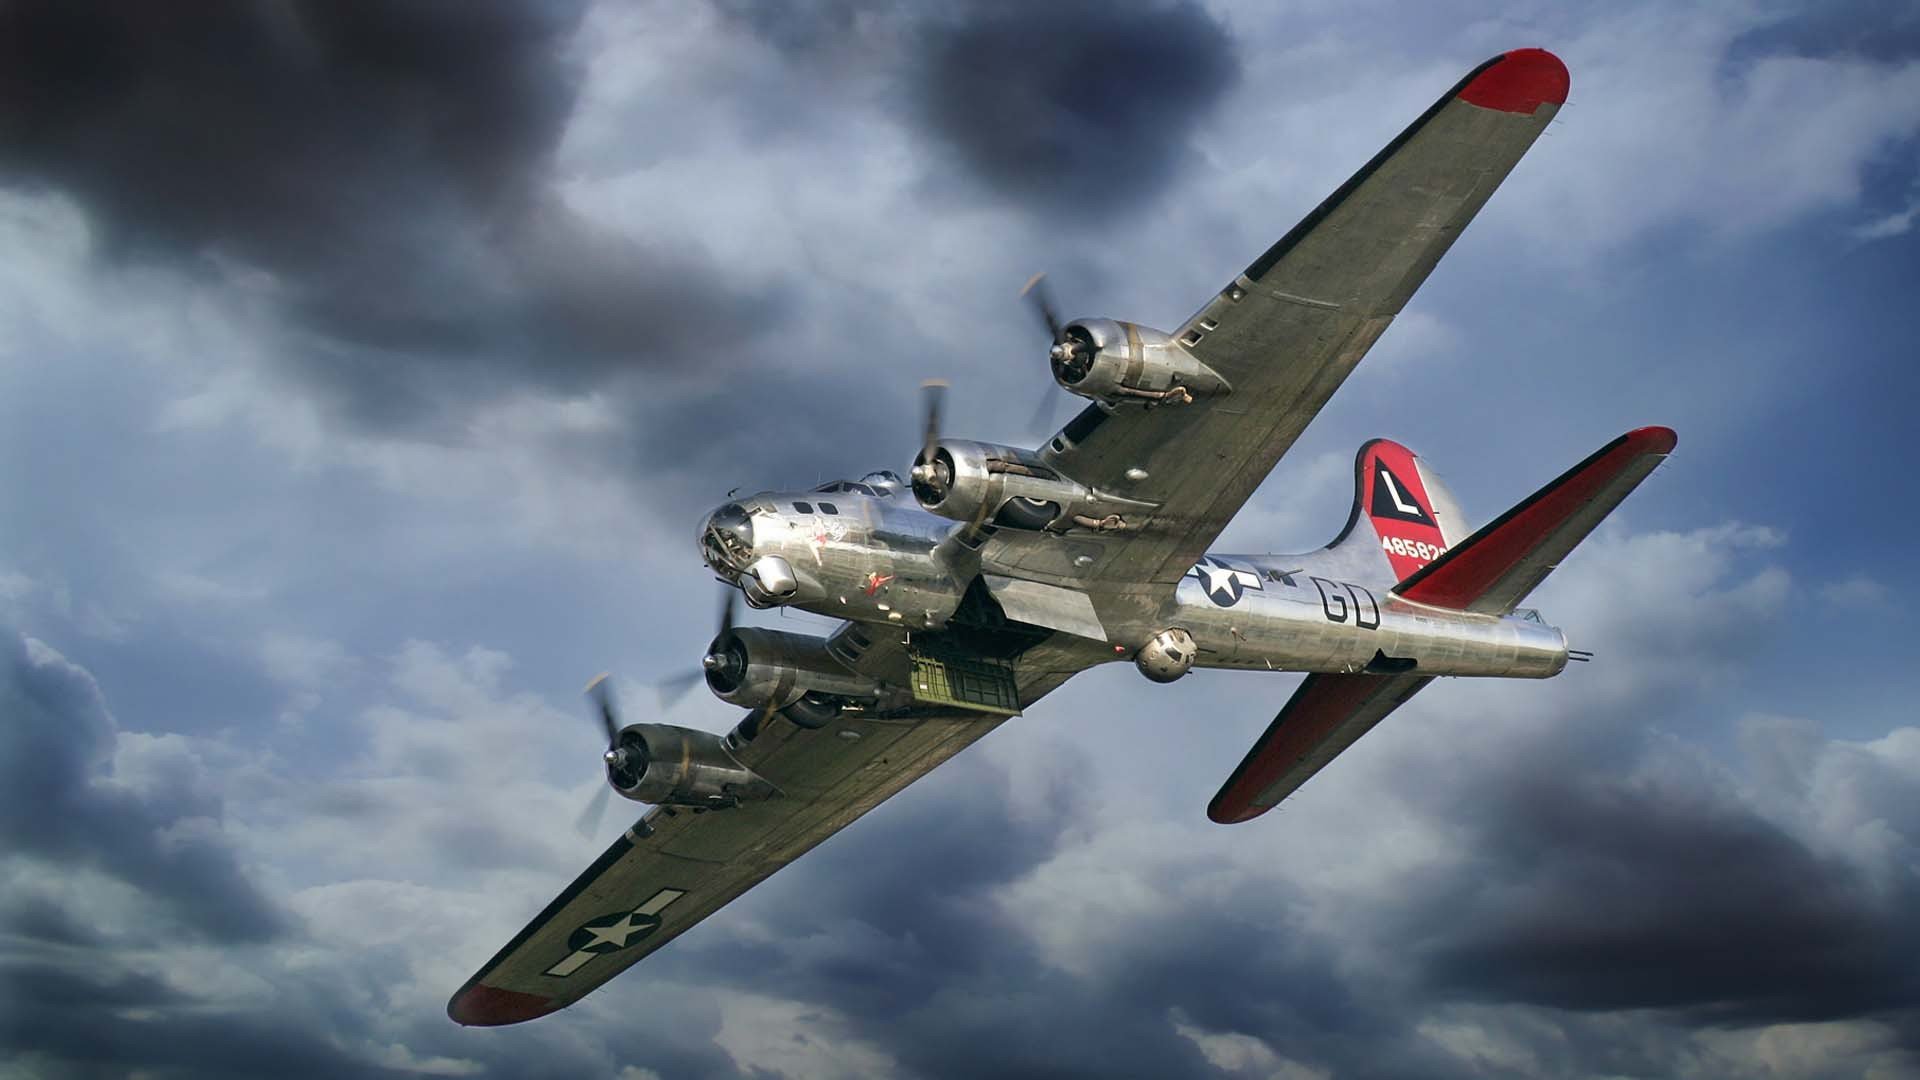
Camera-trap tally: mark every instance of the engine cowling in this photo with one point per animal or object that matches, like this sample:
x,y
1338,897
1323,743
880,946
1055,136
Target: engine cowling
x,y
757,668
1012,488
1120,363
676,766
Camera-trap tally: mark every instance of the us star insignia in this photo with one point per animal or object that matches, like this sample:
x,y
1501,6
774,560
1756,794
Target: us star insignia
x,y
1224,585
611,933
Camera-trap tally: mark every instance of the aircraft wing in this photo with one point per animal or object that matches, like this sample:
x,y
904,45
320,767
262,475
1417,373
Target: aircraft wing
x,y
1286,332
676,866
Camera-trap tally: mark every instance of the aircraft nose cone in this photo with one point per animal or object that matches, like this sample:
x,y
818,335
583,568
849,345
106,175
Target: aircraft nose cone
x,y
726,539
713,661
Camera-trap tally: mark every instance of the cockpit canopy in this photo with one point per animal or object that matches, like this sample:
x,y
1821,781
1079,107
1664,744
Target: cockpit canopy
x,y
879,484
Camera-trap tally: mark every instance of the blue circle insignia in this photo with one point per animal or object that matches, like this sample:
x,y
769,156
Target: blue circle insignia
x,y
1223,584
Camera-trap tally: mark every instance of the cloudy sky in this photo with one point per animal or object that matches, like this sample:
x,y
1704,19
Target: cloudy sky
x,y
364,370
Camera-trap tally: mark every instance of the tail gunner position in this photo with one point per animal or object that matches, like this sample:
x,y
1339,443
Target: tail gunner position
x,y
991,574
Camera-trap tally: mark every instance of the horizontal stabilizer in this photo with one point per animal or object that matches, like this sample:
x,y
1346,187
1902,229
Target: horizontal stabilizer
x,y
1495,568
1322,718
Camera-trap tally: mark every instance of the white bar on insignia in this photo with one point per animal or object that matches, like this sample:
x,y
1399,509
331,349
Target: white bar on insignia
x,y
659,901
574,962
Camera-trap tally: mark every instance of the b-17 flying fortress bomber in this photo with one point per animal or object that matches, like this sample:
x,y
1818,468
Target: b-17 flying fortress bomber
x,y
989,575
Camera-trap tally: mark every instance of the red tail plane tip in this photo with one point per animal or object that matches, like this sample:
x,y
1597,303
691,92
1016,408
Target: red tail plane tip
x,y
1659,440
1519,82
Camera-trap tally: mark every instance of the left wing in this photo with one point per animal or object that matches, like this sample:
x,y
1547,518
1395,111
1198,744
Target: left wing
x,y
677,866
1286,333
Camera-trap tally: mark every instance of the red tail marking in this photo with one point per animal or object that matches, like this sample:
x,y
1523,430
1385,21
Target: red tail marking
x,y
1396,502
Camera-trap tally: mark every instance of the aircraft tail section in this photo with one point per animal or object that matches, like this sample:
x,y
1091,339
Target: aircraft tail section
x,y
1495,568
1403,516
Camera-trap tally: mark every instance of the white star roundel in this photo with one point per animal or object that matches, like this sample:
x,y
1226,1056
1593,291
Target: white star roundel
x,y
611,933
1223,584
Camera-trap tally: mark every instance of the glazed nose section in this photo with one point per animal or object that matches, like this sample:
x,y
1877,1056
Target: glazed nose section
x,y
726,540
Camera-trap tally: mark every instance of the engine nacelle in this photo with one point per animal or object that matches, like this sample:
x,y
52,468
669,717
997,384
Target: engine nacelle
x,y
1000,485
676,766
756,668
1120,363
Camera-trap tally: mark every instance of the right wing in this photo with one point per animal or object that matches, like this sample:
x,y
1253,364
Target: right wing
x,y
1287,332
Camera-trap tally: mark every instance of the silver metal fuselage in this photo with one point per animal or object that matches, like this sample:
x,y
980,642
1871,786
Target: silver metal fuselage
x,y
881,560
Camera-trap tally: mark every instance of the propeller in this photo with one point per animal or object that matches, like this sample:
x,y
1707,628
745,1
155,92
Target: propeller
x,y
930,475
934,393
670,690
600,692
1069,353
1036,290
673,688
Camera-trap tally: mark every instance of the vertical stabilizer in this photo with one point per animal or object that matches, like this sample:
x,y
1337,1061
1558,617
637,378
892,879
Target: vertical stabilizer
x,y
1403,516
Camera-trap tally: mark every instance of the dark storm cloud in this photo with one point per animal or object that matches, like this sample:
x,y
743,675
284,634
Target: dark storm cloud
x,y
1653,886
60,804
384,166
898,922
1077,110
1604,875
1883,30
98,1022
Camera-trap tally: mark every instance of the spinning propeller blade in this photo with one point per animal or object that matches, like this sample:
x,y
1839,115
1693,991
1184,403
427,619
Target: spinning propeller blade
x,y
600,692
1036,291
588,823
670,690
934,393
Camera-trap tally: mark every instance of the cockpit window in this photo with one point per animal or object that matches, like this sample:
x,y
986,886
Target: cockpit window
x,y
805,508
829,508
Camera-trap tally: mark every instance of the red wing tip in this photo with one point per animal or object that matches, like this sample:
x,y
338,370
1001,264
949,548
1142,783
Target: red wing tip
x,y
1658,440
1519,82
480,1005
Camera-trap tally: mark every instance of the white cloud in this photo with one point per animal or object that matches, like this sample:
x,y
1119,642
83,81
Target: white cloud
x,y
1898,223
1661,129
1864,1048
1857,593
1244,1055
795,1040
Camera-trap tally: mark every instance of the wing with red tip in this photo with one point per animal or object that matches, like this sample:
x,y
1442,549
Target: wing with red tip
x,y
678,866
1286,332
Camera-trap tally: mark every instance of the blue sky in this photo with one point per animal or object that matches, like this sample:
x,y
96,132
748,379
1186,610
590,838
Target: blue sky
x,y
364,371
